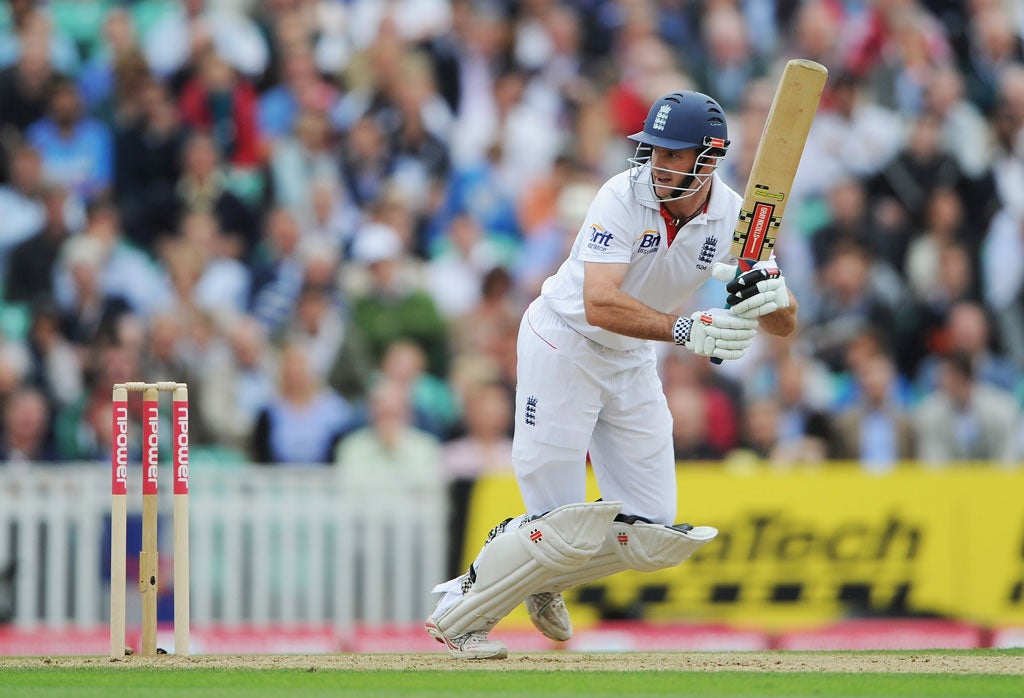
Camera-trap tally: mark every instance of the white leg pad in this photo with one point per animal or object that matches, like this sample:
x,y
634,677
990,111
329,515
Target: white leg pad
x,y
635,546
519,560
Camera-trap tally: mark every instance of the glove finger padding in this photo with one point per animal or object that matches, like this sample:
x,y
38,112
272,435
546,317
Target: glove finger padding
x,y
751,278
733,343
758,292
722,319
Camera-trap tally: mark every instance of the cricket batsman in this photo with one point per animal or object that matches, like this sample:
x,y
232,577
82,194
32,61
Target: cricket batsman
x,y
588,381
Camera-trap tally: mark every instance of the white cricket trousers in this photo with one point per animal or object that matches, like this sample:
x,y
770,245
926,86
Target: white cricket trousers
x,y
575,395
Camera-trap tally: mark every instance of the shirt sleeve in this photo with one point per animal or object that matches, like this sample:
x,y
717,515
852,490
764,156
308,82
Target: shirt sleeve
x,y
608,232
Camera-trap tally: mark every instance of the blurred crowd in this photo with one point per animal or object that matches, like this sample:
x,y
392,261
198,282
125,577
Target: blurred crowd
x,y
326,216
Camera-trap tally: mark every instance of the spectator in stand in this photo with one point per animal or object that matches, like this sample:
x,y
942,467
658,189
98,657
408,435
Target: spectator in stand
x,y
850,301
963,130
203,188
647,64
31,26
816,33
56,365
124,105
993,45
300,91
965,420
27,82
301,159
149,151
124,271
876,430
333,217
277,270
303,419
77,151
455,273
720,397
389,454
852,135
517,144
395,306
759,434
434,406
850,220
25,435
162,351
550,213
88,314
366,161
220,102
486,447
98,79
802,420
90,440
729,61
21,201
1007,144
955,281
419,141
689,425
901,47
237,383
25,89
218,283
943,225
182,32
335,348
1003,278
30,265
488,331
968,331
906,183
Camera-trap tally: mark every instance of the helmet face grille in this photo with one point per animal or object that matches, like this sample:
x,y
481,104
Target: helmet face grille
x,y
679,121
642,171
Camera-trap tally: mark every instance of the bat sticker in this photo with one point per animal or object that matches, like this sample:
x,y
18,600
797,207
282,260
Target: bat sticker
x,y
760,221
763,192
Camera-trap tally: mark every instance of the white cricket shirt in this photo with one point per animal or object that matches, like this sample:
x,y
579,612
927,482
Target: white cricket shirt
x,y
620,229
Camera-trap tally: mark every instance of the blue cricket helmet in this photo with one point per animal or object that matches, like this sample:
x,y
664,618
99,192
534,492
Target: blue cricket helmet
x,y
682,120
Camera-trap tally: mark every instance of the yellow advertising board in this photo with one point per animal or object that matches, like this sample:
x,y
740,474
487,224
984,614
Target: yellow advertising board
x,y
803,547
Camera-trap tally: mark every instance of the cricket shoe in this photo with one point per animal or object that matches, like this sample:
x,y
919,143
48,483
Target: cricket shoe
x,y
549,615
471,645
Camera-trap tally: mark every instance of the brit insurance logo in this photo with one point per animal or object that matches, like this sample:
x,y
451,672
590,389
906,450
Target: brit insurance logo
x,y
661,117
707,252
650,241
599,239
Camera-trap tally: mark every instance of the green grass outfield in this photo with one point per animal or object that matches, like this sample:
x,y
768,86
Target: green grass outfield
x,y
999,673
157,683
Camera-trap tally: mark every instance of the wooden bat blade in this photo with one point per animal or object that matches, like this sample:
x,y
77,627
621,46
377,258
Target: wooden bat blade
x,y
777,158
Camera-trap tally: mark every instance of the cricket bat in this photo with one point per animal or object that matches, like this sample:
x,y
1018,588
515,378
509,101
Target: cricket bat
x,y
776,161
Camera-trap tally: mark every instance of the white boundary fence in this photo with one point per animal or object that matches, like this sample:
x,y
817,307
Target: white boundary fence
x,y
269,545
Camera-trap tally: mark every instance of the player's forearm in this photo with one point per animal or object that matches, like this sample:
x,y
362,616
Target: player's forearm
x,y
618,312
782,322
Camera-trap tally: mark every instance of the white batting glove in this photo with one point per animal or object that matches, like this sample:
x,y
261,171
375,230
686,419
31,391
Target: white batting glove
x,y
717,333
754,293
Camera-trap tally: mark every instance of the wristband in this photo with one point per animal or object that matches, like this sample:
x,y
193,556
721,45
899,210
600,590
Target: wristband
x,y
681,330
